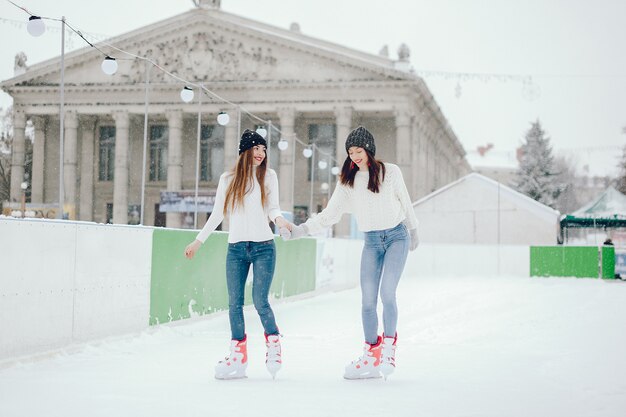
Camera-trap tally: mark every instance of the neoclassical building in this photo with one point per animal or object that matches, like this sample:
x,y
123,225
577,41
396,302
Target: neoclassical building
x,y
313,91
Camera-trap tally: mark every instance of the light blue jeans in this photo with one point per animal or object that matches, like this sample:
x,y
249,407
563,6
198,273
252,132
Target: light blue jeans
x,y
382,263
262,256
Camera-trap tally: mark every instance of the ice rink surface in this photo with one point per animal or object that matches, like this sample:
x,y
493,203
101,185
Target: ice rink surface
x,y
474,346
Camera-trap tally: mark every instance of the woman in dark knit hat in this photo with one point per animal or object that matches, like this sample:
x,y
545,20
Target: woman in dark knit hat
x,y
249,196
377,196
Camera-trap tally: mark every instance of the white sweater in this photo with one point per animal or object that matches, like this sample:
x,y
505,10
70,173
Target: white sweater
x,y
373,211
249,222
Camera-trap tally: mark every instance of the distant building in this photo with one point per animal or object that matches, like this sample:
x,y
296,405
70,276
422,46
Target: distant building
x,y
311,89
478,210
498,165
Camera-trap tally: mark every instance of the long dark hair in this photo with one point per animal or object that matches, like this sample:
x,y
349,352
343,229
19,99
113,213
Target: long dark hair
x,y
376,170
242,181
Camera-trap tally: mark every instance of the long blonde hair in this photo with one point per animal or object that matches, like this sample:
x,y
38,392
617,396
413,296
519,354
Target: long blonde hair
x,y
242,182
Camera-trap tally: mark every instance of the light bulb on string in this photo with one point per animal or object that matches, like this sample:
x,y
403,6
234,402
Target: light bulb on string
x,y
261,131
324,186
109,65
35,26
223,118
322,164
334,170
283,145
186,94
307,152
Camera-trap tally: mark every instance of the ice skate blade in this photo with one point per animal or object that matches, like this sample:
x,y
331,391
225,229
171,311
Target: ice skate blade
x,y
228,377
273,370
364,376
223,377
386,372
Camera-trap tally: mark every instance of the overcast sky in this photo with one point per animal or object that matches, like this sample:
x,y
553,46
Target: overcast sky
x,y
572,50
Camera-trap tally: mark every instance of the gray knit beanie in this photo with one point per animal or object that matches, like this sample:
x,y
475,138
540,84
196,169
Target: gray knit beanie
x,y
362,138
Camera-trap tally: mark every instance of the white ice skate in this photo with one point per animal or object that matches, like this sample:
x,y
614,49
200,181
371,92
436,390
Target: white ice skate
x,y
368,365
388,355
273,358
234,365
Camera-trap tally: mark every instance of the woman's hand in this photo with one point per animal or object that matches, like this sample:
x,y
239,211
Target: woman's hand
x,y
282,223
192,248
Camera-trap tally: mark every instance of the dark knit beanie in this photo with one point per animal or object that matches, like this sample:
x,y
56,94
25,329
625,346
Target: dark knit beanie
x,y
250,139
362,138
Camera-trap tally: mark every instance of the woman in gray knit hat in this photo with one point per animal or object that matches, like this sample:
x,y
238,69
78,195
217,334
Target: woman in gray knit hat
x,y
377,196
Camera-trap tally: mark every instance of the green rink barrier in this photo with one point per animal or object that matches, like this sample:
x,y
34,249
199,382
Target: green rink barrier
x,y
571,261
181,287
608,262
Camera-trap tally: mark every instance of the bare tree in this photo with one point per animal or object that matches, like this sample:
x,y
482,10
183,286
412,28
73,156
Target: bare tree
x,y
621,177
6,136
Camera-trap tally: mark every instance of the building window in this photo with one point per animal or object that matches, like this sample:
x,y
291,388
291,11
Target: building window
x,y
323,137
211,152
106,165
158,152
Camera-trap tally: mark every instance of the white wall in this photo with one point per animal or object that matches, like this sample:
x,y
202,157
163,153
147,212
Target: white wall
x,y
65,282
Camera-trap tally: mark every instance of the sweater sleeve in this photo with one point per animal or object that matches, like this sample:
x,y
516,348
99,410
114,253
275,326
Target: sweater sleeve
x,y
274,201
338,204
217,215
405,200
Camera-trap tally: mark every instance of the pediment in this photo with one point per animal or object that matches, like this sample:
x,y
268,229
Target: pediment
x,y
217,47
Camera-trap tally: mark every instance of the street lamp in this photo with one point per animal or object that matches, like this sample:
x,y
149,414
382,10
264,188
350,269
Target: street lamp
x,y
24,187
36,27
223,118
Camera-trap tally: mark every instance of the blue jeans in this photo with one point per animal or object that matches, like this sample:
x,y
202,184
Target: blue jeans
x,y
262,256
382,263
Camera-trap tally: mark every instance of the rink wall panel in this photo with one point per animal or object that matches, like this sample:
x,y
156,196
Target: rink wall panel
x,y
113,272
67,282
468,260
183,288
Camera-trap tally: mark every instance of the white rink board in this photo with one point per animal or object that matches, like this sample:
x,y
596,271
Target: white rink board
x,y
36,285
469,260
113,267
64,282
338,263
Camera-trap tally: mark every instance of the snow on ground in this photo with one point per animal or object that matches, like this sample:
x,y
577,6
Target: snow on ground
x,y
467,347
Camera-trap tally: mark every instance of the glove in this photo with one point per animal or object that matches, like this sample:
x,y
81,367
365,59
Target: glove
x,y
297,232
414,239
285,233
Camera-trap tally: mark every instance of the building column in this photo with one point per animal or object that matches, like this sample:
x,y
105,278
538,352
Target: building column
x,y
287,118
231,143
415,160
174,161
403,146
343,120
87,142
18,155
70,154
120,180
37,186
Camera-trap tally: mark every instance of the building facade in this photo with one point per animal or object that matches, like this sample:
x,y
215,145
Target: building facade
x,y
312,90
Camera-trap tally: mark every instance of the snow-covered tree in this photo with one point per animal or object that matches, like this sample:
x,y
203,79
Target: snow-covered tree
x,y
537,174
568,198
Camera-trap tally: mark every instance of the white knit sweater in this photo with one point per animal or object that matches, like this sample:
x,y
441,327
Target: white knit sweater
x,y
249,222
373,211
